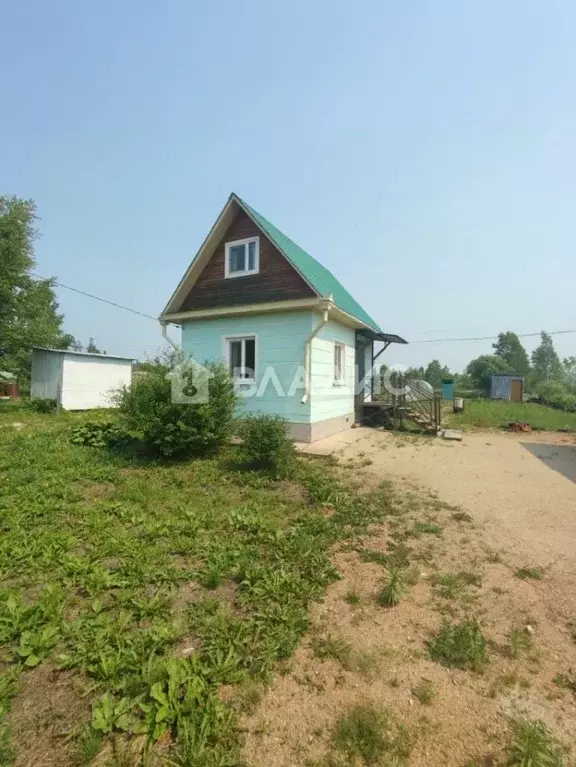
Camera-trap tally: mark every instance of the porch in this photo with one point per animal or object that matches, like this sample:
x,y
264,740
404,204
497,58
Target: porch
x,y
390,404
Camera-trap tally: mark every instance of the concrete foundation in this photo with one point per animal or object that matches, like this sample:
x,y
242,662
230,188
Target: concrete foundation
x,y
311,432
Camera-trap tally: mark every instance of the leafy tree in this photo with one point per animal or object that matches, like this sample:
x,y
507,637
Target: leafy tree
x,y
569,364
417,373
509,347
462,381
92,348
484,367
28,308
435,372
545,361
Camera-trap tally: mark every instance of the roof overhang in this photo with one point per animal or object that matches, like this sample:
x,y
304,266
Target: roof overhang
x,y
315,304
242,309
387,338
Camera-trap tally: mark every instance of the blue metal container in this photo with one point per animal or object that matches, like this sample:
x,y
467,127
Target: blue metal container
x,y
447,388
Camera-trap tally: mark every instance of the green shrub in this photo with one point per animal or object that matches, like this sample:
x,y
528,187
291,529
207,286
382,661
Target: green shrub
x,y
558,395
173,429
42,405
266,442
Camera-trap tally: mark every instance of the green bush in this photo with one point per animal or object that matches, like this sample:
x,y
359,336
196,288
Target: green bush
x,y
42,405
558,395
173,429
265,442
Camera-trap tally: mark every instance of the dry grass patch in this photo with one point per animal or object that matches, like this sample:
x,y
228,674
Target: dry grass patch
x,y
46,714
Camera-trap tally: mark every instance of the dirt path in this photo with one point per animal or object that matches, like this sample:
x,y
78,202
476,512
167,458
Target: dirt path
x,y
499,503
519,485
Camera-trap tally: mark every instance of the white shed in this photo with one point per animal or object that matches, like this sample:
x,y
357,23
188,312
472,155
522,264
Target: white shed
x,y
77,380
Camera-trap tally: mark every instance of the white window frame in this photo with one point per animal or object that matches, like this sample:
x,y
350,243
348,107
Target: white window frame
x,y
244,272
226,341
341,380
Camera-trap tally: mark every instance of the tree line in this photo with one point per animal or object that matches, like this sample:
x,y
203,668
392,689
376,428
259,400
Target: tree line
x,y
546,376
29,313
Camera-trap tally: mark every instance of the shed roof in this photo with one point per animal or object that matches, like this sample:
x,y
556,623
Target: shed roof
x,y
83,354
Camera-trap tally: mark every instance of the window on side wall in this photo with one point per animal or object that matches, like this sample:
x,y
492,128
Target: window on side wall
x,y
242,358
339,363
242,257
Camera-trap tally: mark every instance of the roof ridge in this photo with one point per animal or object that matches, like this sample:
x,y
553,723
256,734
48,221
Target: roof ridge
x,y
316,274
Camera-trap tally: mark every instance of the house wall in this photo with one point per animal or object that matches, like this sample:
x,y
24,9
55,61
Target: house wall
x,y
280,348
88,382
277,280
280,345
329,400
45,374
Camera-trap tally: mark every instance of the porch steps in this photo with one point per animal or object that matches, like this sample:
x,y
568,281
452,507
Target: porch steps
x,y
426,422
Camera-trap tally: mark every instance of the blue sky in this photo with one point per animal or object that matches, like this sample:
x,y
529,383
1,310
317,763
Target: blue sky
x,y
423,151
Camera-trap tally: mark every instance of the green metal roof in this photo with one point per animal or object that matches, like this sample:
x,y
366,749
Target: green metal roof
x,y
320,278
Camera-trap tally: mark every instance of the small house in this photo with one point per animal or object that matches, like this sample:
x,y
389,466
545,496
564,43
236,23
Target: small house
x,y
77,380
8,385
294,339
507,387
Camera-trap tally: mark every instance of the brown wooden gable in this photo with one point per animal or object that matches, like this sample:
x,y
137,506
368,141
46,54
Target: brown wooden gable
x,y
277,279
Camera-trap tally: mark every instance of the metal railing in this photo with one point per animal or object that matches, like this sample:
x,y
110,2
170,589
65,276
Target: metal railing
x,y
416,403
422,403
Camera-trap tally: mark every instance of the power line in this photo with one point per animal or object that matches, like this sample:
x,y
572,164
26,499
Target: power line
x,y
488,338
97,298
424,341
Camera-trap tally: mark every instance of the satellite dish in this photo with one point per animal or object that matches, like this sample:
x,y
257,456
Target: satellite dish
x,y
419,390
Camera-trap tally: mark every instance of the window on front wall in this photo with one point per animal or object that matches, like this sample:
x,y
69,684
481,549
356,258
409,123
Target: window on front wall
x,y
242,358
242,257
339,363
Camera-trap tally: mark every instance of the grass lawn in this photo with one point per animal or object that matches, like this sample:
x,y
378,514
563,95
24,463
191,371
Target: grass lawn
x,y
493,414
140,602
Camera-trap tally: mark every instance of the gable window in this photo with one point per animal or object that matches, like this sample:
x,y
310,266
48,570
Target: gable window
x,y
339,363
241,353
242,257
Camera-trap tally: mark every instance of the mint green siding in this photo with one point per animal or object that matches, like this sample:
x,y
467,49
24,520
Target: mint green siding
x,y
280,342
329,400
280,347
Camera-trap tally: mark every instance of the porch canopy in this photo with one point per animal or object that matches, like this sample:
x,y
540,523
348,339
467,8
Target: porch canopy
x,y
386,338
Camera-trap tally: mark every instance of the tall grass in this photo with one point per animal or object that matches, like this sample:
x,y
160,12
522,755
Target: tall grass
x,y
495,414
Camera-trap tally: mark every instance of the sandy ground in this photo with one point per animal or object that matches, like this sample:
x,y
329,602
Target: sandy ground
x,y
522,486
509,503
